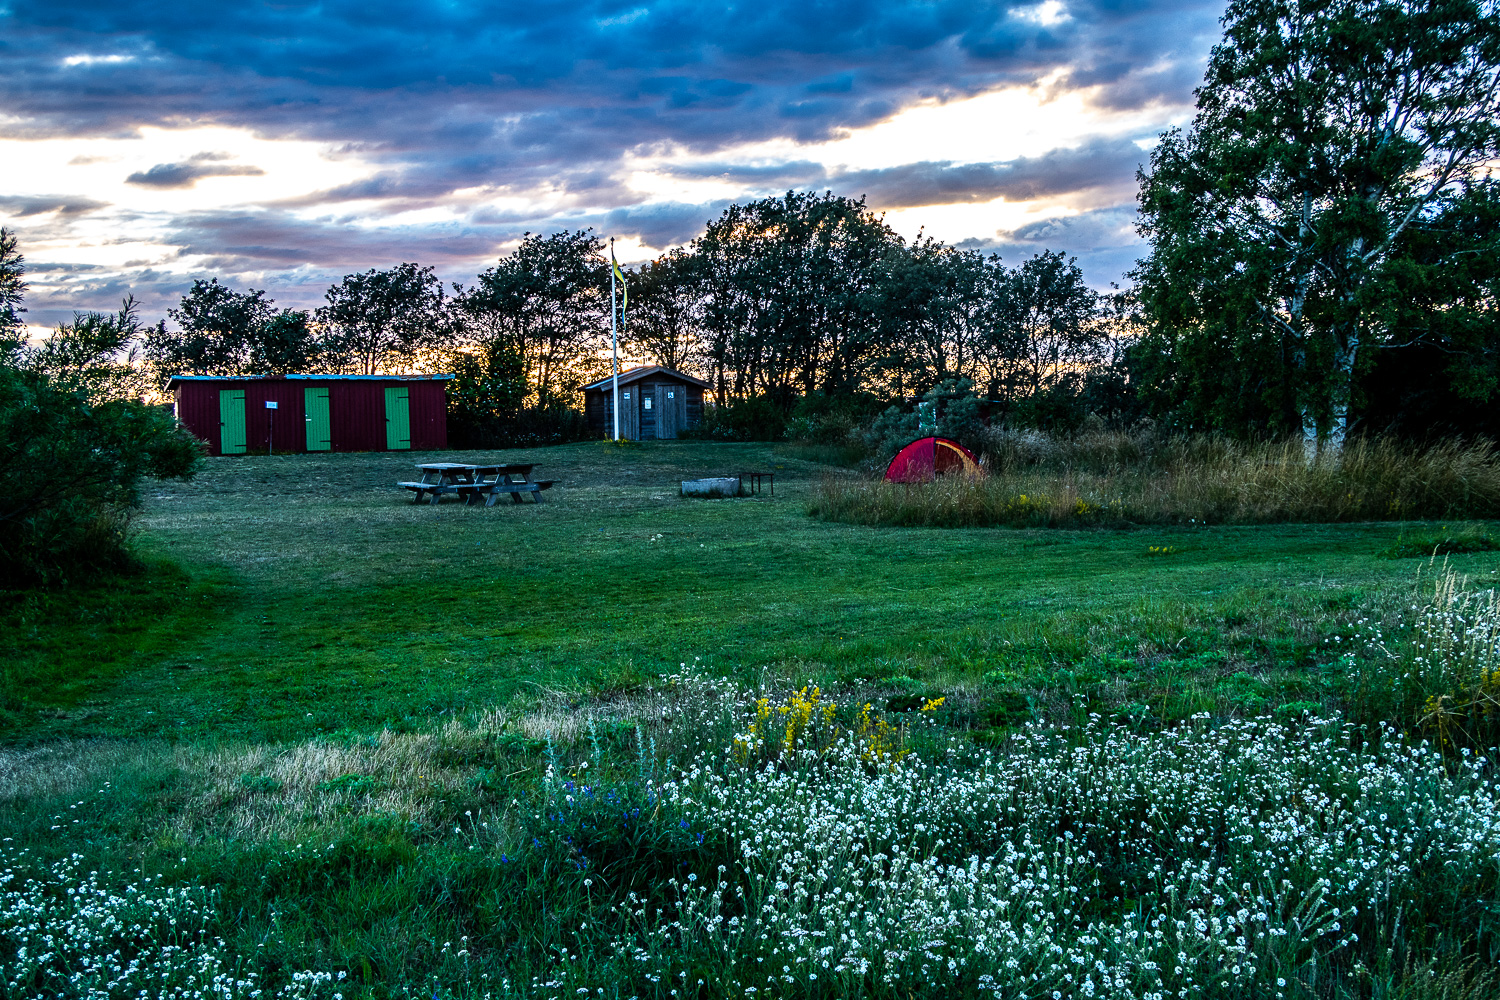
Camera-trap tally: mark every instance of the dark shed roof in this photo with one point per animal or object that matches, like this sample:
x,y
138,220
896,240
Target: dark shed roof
x,y
646,371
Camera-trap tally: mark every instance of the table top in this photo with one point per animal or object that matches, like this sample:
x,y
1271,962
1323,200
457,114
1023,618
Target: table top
x,y
449,466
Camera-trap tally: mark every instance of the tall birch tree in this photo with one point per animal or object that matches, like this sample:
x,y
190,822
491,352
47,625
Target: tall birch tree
x,y
1326,132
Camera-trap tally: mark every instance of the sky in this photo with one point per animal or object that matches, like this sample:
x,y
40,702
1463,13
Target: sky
x,y
282,145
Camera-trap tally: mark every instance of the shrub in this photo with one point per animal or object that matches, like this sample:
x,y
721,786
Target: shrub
x,y
949,409
70,473
756,418
531,426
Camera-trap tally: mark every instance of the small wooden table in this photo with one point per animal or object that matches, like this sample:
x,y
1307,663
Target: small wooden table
x,y
472,482
756,477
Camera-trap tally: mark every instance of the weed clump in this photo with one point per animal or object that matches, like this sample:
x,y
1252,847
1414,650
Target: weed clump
x,y
1438,675
1445,541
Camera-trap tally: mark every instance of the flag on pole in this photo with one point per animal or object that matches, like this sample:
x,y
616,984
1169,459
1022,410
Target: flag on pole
x,y
620,276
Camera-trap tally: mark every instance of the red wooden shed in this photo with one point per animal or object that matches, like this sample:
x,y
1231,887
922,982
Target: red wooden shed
x,y
289,413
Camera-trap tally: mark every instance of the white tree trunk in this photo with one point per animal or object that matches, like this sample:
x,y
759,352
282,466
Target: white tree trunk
x,y
1343,362
1309,435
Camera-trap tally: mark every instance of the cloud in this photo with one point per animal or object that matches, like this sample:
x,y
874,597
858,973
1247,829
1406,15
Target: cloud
x,y
662,224
1104,240
490,120
198,166
22,206
1102,163
424,86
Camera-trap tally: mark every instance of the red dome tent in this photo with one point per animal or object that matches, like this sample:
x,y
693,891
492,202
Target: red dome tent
x,y
929,457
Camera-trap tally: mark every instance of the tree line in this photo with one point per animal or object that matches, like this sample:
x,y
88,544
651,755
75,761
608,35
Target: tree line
x,y
1324,256
778,299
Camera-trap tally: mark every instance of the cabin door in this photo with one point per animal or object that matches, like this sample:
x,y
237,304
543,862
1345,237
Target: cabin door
x,y
668,420
397,420
648,412
231,421
630,424
319,427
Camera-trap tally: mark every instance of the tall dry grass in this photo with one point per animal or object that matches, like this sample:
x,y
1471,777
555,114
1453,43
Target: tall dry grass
x,y
1037,480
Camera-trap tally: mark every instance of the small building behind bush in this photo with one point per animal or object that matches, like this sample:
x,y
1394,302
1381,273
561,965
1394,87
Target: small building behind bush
x,y
296,413
656,403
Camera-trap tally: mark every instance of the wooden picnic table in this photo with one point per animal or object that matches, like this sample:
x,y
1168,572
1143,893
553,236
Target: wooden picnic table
x,y
474,482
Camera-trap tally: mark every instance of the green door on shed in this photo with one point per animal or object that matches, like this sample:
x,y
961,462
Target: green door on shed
x,y
231,421
397,420
319,428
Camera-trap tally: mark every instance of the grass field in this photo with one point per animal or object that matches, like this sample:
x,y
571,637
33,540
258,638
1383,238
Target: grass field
x,y
300,595
311,659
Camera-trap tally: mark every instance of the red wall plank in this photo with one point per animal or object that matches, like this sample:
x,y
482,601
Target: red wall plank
x,y
356,412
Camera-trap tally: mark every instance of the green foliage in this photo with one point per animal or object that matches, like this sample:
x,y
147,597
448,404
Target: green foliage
x,y
753,418
1324,180
12,291
949,409
220,331
790,287
486,393
75,444
95,356
665,315
70,473
545,305
938,310
1047,332
381,321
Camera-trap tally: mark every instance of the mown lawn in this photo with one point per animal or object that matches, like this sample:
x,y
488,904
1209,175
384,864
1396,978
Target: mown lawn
x,y
299,595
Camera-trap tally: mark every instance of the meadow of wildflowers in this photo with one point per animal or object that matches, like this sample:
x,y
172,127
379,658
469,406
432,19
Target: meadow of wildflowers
x,y
718,840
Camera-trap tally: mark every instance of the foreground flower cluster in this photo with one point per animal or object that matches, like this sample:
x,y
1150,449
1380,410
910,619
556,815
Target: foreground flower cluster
x,y
63,933
1213,862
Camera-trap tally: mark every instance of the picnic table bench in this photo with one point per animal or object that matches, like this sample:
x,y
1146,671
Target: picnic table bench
x,y
475,482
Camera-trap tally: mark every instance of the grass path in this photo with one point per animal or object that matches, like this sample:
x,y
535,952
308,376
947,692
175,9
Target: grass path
x,y
312,598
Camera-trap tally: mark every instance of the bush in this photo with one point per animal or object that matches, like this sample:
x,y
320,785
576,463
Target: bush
x,y
949,409
70,473
554,423
757,418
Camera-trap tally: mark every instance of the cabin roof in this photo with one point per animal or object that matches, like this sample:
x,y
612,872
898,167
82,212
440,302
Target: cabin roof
x,y
317,378
645,371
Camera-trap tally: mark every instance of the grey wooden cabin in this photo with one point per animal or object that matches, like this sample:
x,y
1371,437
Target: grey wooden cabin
x,y
656,403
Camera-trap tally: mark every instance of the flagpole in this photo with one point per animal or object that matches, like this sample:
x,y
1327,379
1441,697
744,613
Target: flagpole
x,y
614,340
